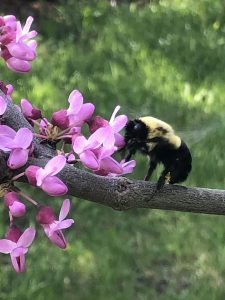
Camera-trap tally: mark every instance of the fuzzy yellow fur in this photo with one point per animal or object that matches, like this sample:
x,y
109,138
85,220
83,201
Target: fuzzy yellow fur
x,y
154,125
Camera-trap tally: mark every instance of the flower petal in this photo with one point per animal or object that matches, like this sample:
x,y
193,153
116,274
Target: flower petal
x,y
55,165
79,144
76,102
111,165
119,140
7,131
100,135
119,123
17,209
53,186
23,138
83,115
58,239
117,108
128,166
64,209
6,143
19,251
18,263
27,25
64,224
89,160
21,51
18,65
27,237
17,158
6,246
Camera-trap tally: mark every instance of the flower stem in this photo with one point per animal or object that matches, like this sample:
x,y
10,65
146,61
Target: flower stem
x,y
10,219
36,122
63,137
18,176
28,198
40,136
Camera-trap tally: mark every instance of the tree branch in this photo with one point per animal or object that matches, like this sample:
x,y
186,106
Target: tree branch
x,y
119,193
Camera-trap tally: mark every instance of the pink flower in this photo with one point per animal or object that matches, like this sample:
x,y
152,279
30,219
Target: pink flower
x,y
17,143
44,126
86,149
60,119
127,167
29,111
45,177
15,206
3,87
77,113
53,227
18,248
6,88
97,122
115,124
30,173
16,48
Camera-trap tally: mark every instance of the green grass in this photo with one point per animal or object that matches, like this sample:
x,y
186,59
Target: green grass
x,y
164,60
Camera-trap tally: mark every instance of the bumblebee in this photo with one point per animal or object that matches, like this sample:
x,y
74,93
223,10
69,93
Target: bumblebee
x,y
157,139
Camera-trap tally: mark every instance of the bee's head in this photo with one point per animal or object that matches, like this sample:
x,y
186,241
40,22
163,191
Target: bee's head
x,y
136,130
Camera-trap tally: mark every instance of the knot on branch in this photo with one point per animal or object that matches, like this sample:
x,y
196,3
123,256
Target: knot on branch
x,y
121,202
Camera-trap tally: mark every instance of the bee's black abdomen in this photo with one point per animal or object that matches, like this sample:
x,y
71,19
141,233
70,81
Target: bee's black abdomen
x,y
182,164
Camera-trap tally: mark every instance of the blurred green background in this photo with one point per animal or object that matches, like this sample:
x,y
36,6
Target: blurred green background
x,y
163,58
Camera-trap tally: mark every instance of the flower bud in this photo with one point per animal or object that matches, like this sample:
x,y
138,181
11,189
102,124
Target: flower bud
x,y
30,172
60,119
12,201
13,233
3,87
45,215
96,123
10,197
17,209
29,111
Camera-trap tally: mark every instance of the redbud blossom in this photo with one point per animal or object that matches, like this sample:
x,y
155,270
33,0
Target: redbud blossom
x,y
77,113
45,177
6,88
60,119
17,143
99,145
17,248
126,167
115,124
96,123
30,173
16,207
53,227
13,233
45,215
16,48
29,111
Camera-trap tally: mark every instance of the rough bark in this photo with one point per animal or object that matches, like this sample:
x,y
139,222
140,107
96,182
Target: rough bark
x,y
119,193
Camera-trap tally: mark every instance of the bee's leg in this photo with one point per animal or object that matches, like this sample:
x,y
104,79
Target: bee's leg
x,y
130,153
164,178
151,168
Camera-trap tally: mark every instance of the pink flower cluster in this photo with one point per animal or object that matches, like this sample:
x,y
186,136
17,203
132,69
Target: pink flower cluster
x,y
66,128
17,47
16,242
95,152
